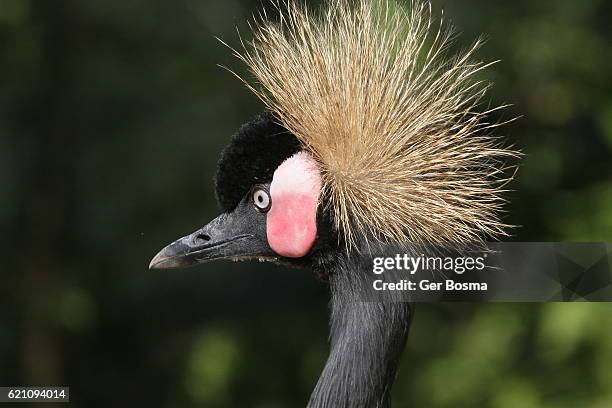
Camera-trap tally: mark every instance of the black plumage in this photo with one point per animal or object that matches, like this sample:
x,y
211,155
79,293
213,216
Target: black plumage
x,y
255,151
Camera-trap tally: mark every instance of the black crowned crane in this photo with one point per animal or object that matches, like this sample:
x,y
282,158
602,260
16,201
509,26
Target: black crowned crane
x,y
372,140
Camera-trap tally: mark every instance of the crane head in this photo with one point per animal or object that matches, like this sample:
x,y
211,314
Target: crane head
x,y
268,189
385,125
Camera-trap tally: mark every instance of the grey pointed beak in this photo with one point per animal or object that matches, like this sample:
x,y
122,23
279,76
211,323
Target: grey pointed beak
x,y
198,247
236,235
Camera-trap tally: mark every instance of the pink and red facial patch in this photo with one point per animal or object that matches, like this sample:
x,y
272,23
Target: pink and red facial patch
x,y
292,220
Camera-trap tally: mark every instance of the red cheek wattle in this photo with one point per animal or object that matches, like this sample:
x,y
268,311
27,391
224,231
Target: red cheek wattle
x,y
291,225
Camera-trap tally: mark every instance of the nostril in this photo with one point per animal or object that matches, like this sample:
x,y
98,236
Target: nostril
x,y
203,237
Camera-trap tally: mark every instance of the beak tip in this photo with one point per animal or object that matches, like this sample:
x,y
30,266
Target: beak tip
x,y
157,261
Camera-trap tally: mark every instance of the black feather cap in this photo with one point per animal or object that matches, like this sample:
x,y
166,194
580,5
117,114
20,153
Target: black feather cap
x,y
254,153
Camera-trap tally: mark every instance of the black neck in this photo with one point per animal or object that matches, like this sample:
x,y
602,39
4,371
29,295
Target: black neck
x,y
366,339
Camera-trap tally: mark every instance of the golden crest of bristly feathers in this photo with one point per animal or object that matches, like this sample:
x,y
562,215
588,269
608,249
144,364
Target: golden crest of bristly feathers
x,y
372,92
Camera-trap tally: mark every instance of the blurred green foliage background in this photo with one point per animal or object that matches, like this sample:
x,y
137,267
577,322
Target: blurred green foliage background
x,y
112,116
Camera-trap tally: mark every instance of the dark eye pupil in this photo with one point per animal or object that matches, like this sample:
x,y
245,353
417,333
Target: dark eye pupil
x,y
261,199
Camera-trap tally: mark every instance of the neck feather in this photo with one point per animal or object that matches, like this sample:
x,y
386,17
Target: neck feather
x,y
366,340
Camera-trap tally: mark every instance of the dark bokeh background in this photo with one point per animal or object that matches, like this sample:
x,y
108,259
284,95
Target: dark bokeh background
x,y
112,116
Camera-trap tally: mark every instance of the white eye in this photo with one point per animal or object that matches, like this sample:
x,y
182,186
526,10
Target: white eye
x,y
261,199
